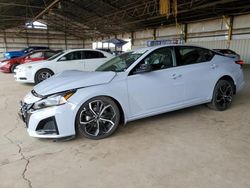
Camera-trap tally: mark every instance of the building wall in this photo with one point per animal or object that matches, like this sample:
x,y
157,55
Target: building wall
x,y
17,40
214,34
209,33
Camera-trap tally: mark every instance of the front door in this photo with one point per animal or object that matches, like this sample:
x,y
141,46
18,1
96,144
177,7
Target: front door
x,y
159,89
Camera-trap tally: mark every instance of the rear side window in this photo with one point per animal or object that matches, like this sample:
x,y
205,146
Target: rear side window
x,y
188,55
72,56
92,54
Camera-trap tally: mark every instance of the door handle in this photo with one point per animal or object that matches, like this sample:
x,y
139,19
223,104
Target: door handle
x,y
174,76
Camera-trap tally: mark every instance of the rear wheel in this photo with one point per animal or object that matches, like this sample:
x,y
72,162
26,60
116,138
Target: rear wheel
x,y
12,68
222,96
98,118
42,75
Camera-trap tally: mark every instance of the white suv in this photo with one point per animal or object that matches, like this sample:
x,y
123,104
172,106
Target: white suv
x,y
77,59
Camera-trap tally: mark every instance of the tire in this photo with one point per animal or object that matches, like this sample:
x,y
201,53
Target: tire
x,y
12,68
42,75
222,96
98,118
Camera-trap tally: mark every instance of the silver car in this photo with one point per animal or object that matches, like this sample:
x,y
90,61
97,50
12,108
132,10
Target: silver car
x,y
134,85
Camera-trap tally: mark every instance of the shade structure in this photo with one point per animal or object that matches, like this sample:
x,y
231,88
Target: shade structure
x,y
116,42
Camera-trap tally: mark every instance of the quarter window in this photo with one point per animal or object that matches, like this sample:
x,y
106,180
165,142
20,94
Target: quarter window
x,y
192,55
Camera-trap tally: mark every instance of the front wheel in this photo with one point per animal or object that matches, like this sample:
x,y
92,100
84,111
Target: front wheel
x,y
42,75
98,118
222,95
12,68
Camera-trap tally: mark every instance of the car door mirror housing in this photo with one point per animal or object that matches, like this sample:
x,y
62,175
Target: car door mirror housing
x,y
143,68
63,58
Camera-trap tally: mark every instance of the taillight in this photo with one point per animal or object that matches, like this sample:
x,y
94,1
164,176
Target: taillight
x,y
240,62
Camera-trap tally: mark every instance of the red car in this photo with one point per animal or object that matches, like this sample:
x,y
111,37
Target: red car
x,y
9,65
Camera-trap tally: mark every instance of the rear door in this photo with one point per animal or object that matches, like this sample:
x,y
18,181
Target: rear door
x,y
93,59
70,61
198,72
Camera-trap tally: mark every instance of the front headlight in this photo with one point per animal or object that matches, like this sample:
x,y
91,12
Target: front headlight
x,y
53,100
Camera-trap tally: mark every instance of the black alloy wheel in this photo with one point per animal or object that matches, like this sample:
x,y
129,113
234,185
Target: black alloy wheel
x,y
98,118
222,96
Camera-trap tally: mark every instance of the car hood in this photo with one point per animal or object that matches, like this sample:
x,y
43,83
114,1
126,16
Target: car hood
x,y
68,80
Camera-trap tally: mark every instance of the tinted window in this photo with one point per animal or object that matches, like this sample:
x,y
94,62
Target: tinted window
x,y
227,52
36,55
49,54
191,55
159,59
92,55
55,56
72,56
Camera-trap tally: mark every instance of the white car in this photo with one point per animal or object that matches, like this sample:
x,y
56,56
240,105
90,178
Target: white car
x,y
77,59
134,85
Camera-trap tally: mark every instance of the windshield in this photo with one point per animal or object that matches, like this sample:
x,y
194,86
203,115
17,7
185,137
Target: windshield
x,y
55,56
25,50
120,63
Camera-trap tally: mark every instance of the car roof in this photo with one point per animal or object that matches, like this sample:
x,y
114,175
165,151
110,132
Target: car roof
x,y
83,49
37,47
166,45
41,50
76,49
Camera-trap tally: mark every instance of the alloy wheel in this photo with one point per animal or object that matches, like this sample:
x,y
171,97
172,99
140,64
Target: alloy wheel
x,y
43,76
224,95
98,118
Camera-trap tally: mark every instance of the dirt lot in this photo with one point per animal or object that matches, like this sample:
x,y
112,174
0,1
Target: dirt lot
x,y
194,147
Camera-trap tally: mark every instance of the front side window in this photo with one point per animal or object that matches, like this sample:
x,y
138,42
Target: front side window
x,y
120,63
71,56
191,55
159,59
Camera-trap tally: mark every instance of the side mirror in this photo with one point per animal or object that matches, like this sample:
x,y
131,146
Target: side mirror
x,y
144,68
63,58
